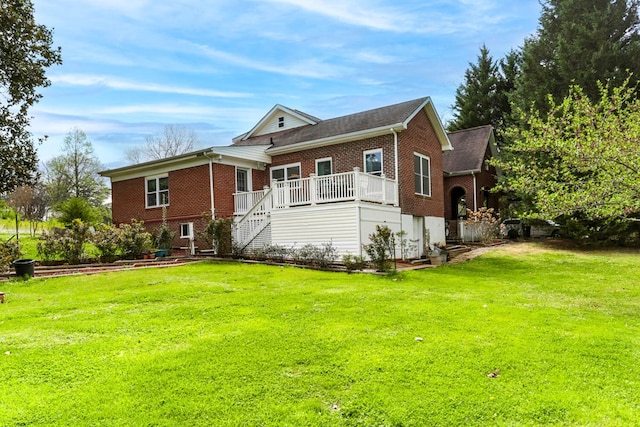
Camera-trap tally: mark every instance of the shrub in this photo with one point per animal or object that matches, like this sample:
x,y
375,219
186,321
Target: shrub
x,y
483,224
321,256
354,262
277,253
107,239
135,240
9,252
218,234
164,240
381,250
68,244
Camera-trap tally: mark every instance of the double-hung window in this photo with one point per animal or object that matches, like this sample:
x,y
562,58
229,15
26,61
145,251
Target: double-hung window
x,y
157,191
422,174
243,180
373,162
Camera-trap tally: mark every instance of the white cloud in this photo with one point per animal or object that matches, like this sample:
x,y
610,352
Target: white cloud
x,y
121,84
311,68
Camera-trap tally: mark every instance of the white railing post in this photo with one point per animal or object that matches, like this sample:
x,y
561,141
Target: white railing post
x,y
356,183
312,188
384,188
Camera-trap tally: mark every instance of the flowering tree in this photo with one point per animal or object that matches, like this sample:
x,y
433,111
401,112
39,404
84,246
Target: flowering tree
x,y
581,160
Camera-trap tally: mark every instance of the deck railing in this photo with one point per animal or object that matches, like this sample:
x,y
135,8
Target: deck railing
x,y
340,187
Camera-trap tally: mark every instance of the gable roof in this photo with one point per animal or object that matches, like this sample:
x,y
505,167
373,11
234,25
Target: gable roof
x,y
275,112
360,125
469,148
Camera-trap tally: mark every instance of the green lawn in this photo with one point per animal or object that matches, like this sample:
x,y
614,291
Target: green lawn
x,y
250,345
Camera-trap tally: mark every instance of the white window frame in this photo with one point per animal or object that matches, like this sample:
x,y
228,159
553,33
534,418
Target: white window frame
x,y
189,234
285,167
249,183
420,191
157,179
325,159
364,161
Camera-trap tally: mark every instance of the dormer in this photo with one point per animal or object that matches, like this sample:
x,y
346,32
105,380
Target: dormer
x,y
280,118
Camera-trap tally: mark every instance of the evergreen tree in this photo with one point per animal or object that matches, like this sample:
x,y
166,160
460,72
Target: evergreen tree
x,y
476,98
578,42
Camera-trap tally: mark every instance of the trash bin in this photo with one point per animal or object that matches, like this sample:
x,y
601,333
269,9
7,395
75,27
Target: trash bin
x,y
24,267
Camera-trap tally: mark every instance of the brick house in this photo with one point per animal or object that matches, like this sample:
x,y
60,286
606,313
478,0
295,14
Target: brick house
x,y
295,179
468,177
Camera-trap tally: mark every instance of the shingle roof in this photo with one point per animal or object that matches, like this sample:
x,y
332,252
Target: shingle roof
x,y
469,147
352,123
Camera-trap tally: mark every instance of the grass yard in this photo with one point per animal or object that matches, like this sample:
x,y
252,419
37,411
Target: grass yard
x,y
251,345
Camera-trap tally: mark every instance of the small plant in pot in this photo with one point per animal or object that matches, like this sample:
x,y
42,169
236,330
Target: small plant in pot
x,y
164,241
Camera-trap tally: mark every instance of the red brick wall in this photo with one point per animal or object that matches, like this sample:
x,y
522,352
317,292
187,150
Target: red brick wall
x,y
484,180
345,156
420,138
464,181
189,198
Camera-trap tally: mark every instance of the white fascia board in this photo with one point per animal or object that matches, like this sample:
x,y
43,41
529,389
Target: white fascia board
x,y
337,139
247,156
155,168
461,173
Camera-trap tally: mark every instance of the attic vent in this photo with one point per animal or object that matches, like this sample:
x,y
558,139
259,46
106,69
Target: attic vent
x,y
280,122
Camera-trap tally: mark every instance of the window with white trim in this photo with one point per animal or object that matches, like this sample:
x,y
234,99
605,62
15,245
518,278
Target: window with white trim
x,y
186,230
422,174
324,166
285,172
157,191
373,161
243,180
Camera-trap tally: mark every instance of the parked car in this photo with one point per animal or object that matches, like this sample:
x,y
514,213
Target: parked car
x,y
515,227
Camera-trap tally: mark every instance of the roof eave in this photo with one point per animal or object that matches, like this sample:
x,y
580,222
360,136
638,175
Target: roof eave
x,y
461,173
153,163
337,139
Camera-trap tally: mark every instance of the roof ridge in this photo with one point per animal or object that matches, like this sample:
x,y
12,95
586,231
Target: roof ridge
x,y
470,129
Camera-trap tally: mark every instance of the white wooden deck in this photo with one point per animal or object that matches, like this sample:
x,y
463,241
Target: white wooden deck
x,y
341,187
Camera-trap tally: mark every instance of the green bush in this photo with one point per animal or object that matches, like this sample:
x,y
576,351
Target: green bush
x,y
381,250
309,254
354,262
68,244
217,233
9,252
108,240
135,240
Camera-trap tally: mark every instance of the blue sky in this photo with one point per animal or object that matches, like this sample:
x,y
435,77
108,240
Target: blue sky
x,y
132,66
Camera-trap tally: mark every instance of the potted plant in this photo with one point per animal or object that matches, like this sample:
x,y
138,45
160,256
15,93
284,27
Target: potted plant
x,y
164,241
